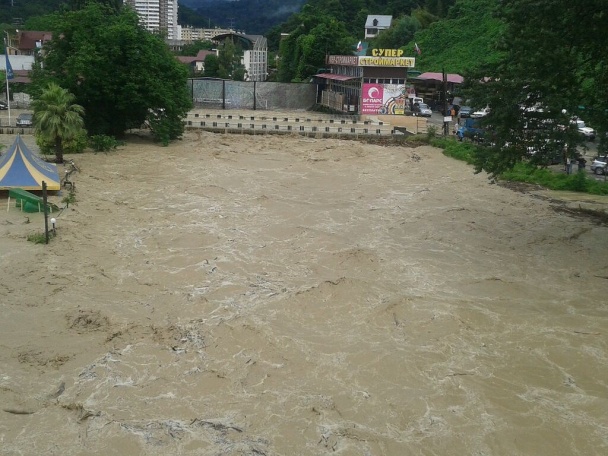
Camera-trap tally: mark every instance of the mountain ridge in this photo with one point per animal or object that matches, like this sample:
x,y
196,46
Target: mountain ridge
x,y
255,17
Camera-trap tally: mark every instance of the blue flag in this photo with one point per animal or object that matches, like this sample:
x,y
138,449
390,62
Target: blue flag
x,y
9,68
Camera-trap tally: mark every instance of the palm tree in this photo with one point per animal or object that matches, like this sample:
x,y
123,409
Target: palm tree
x,y
57,118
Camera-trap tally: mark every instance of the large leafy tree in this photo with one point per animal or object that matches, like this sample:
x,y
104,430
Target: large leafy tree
x,y
212,66
399,34
554,67
58,119
122,75
191,49
303,52
79,4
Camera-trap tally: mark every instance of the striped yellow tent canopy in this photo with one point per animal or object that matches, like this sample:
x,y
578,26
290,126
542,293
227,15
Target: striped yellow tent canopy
x,y
20,168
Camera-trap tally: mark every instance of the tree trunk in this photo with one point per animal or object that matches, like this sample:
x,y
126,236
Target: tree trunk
x,y
58,150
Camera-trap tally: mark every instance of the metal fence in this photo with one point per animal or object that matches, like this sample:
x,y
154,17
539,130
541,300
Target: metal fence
x,y
224,94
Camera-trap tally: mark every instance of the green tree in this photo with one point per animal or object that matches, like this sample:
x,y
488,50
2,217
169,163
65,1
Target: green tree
x,y
122,75
548,74
80,4
57,118
191,49
465,40
211,67
228,59
303,52
398,35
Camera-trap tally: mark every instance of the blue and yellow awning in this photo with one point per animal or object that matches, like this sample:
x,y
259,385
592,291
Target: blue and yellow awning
x,y
19,167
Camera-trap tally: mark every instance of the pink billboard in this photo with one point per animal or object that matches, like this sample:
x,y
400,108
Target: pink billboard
x,y
372,98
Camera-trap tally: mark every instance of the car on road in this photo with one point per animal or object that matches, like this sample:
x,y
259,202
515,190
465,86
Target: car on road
x,y
465,111
25,119
481,113
3,105
587,132
422,109
598,166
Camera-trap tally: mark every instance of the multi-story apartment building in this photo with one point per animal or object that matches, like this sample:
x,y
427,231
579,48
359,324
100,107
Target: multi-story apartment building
x,y
255,59
191,34
157,16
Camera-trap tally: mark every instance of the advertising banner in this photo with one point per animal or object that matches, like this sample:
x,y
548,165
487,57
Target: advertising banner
x,y
372,98
383,99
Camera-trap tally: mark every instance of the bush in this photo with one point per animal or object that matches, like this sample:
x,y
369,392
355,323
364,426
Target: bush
x,y
37,238
75,145
578,182
70,198
525,172
103,143
459,150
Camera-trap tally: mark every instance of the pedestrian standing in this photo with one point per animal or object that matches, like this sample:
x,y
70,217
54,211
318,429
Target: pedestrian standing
x,y
568,165
581,162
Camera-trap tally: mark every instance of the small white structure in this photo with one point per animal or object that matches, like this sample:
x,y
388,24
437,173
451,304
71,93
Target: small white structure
x,y
375,23
18,62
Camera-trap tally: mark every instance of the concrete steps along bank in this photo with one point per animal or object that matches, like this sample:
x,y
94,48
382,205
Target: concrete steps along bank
x,y
305,124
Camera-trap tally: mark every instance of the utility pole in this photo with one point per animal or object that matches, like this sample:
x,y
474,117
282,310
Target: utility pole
x,y
446,124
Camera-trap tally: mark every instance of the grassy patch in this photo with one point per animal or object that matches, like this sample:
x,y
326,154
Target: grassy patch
x,y
37,238
577,182
522,172
459,150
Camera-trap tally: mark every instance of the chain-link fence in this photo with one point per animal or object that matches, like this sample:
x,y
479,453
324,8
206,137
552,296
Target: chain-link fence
x,y
224,94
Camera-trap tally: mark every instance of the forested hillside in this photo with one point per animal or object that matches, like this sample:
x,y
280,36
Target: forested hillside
x,y
464,40
452,34
455,35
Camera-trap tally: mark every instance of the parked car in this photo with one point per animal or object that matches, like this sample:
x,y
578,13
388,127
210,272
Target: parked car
x,y
465,111
3,105
598,166
587,132
25,120
481,113
422,109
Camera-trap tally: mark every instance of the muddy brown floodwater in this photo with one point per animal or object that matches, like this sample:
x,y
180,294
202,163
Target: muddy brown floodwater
x,y
287,295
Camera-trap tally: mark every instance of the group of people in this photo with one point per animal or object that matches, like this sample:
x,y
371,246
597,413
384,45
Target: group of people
x,y
568,162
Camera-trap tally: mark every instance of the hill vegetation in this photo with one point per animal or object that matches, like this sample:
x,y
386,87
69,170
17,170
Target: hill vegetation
x,y
455,34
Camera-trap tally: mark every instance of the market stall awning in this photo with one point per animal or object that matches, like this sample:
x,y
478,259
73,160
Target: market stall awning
x,y
455,78
336,77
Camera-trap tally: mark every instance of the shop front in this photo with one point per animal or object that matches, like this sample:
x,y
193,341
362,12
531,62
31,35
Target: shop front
x,y
370,85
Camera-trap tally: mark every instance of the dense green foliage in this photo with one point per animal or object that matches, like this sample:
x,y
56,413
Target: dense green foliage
x,y
188,17
554,66
103,143
192,49
465,39
263,16
58,120
453,35
525,171
402,31
577,182
122,75
17,12
303,51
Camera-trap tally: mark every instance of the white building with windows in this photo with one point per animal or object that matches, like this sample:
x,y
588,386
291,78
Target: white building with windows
x,y
191,34
157,16
375,23
255,59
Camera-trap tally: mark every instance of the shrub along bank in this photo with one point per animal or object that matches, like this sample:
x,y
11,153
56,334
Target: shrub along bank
x,y
523,172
